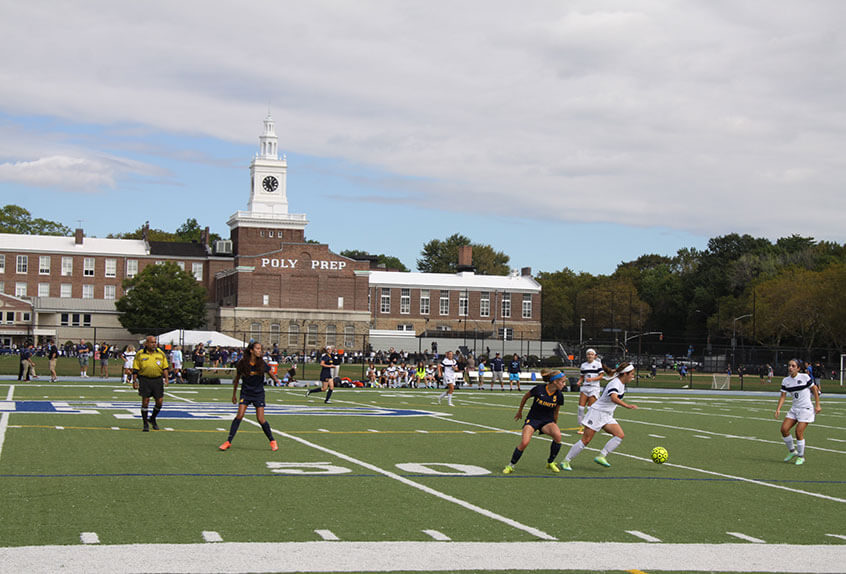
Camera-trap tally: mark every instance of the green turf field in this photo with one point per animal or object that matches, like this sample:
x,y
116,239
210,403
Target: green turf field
x,y
393,467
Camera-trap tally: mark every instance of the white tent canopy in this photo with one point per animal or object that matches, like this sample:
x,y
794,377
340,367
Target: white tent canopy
x,y
192,338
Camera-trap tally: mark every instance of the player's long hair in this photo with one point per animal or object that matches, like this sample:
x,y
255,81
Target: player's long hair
x,y
547,374
611,372
243,365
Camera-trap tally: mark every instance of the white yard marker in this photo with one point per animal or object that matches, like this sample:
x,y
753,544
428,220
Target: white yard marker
x,y
470,432
326,534
837,439
4,418
643,536
657,436
221,430
702,436
746,537
60,428
323,430
89,538
422,431
372,430
168,428
211,536
840,536
115,428
437,535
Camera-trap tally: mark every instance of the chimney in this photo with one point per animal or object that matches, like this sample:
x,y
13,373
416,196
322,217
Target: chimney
x,y
77,236
526,271
465,258
206,237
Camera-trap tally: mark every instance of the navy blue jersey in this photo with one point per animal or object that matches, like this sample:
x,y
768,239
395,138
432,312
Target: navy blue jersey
x,y
497,363
545,404
514,367
326,372
252,385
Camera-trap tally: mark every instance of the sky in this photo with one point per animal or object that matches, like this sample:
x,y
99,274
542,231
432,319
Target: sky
x,y
567,134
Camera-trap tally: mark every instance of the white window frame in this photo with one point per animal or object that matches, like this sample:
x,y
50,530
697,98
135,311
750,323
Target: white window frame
x,y
385,300
506,305
485,304
43,289
21,265
2,263
131,267
44,264
265,300
331,335
67,267
425,302
293,335
20,289
275,332
463,303
88,266
66,290
197,270
111,268
349,336
109,291
87,291
405,301
527,306
443,303
312,335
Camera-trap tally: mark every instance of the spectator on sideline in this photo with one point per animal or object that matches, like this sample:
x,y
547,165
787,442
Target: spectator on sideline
x,y
176,360
496,365
52,356
82,354
104,360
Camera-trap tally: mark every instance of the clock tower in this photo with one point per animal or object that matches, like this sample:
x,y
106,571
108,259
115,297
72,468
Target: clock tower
x,y
266,223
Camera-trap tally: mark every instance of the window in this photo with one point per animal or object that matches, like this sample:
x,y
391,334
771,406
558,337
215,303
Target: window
x,y
255,331
485,304
2,263
293,335
111,267
349,336
340,302
444,303
275,330
270,234
25,316
181,265
405,327
43,289
88,267
10,316
506,305
405,301
22,263
265,300
527,305
65,319
2,286
197,271
67,266
331,335
76,319
463,304
109,292
386,300
44,265
20,289
131,267
506,334
312,335
65,290
424,301
88,291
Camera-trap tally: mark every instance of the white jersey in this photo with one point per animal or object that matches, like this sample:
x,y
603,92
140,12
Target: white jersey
x,y
799,388
448,366
128,358
604,402
591,370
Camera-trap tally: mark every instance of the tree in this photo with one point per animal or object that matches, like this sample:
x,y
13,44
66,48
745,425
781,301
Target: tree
x,y
16,219
185,233
442,257
161,298
389,261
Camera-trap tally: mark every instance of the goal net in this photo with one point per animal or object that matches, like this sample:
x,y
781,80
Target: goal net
x,y
721,382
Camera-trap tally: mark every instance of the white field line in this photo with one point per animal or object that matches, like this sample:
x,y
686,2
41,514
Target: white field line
x,y
464,504
690,468
436,535
428,556
742,417
643,536
657,436
4,418
326,534
89,538
212,536
840,536
746,537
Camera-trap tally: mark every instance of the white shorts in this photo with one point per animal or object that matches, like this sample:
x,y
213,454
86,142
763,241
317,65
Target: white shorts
x,y
592,391
177,365
595,419
801,415
449,379
127,364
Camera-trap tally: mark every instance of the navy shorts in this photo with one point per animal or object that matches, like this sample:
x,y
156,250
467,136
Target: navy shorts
x,y
256,401
537,424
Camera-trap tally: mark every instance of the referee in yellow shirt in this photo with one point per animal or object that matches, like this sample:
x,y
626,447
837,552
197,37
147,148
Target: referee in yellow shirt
x,y
149,376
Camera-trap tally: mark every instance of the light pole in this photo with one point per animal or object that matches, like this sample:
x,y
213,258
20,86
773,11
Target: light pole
x,y
581,322
733,339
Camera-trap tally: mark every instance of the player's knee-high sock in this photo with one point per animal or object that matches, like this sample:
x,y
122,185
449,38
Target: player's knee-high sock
x,y
575,450
329,394
144,415
580,415
315,390
553,451
233,428
515,456
788,440
613,443
265,426
156,410
800,447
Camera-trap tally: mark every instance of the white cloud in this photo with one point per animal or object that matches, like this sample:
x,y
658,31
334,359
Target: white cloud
x,y
697,116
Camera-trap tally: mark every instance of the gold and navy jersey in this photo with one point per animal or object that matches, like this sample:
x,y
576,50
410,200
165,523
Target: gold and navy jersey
x,y
253,383
544,404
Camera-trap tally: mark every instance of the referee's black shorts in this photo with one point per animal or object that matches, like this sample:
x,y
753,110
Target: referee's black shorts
x,y
151,387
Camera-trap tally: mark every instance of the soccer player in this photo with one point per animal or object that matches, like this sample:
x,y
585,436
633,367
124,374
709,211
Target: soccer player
x,y
128,356
600,416
250,370
801,413
149,376
589,389
446,369
327,381
543,418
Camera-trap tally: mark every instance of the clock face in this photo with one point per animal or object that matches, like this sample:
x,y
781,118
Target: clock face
x,y
270,183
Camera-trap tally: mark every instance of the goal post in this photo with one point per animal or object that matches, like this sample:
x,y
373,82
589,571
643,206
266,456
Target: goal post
x,y
842,361
721,382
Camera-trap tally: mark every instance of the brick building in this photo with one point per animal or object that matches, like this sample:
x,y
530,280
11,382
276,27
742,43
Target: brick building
x,y
265,282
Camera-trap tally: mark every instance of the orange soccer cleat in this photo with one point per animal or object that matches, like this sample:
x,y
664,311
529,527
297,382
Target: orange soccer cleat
x,y
273,446
225,445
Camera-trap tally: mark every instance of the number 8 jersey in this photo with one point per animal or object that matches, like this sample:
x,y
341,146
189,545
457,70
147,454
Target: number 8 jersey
x,y
799,388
